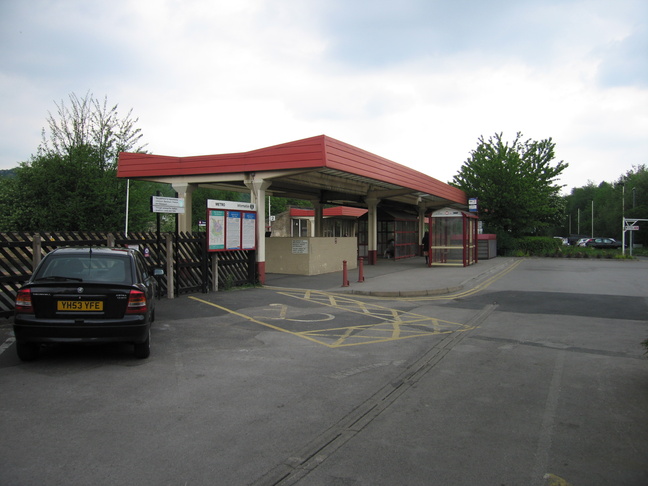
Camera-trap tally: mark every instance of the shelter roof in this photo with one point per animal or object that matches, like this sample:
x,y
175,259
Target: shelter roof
x,y
317,168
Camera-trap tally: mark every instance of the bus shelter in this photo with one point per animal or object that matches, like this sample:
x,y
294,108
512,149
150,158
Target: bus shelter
x,y
453,238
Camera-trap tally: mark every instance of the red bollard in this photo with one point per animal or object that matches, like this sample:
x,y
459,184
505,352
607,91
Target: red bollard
x,y
345,274
360,269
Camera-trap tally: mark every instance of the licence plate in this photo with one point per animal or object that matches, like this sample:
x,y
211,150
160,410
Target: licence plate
x,y
80,305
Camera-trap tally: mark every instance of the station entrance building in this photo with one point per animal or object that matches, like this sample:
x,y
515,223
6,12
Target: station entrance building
x,y
319,169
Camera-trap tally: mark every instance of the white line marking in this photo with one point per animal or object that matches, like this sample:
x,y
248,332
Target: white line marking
x,y
4,346
548,421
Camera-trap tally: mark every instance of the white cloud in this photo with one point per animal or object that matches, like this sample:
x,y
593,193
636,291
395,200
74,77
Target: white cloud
x,y
414,81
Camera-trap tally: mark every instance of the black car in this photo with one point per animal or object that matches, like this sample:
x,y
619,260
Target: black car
x,y
87,295
603,243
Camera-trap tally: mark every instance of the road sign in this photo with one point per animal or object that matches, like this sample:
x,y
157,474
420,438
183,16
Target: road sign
x,y
167,205
632,228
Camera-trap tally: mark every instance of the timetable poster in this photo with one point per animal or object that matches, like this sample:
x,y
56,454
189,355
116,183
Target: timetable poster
x,y
249,231
216,230
233,230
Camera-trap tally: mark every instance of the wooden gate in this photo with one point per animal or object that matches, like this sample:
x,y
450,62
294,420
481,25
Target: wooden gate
x,y
191,263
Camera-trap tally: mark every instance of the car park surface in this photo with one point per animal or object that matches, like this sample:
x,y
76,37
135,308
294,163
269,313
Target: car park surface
x,y
527,371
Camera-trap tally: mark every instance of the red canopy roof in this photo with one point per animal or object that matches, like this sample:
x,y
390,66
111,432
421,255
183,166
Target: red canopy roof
x,y
320,155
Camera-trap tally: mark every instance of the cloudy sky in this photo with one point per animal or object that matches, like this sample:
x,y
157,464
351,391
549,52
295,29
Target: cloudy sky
x,y
415,81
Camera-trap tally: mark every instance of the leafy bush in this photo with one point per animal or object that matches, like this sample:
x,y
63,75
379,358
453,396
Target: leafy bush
x,y
539,245
506,244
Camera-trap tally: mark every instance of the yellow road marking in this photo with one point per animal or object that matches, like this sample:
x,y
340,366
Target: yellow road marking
x,y
276,328
284,311
395,325
478,288
553,480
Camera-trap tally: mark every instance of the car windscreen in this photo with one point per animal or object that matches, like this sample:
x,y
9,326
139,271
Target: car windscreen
x,y
85,268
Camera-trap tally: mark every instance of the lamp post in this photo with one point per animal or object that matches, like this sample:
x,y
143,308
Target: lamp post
x,y
592,218
127,205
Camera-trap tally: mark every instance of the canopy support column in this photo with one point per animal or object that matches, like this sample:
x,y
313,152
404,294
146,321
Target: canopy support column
x,y
257,189
319,219
372,228
184,190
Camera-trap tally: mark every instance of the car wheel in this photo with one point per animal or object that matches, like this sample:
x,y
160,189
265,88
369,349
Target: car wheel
x,y
27,351
143,350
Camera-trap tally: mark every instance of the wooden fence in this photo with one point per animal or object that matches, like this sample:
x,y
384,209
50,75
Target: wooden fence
x,y
188,267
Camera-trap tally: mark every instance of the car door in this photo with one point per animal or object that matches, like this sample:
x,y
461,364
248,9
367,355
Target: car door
x,y
145,276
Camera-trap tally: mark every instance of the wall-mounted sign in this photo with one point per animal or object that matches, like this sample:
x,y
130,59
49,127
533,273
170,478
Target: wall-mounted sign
x,y
167,204
300,247
230,227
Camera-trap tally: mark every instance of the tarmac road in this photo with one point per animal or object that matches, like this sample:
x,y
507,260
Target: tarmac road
x,y
530,373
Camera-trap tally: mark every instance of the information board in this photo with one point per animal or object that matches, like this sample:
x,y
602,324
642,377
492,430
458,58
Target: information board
x,y
248,231
167,205
230,226
300,247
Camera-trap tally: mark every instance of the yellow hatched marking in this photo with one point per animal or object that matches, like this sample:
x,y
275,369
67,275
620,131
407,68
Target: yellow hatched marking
x,y
257,321
393,326
396,324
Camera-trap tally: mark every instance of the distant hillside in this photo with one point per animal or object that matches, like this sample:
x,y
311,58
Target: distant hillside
x,y
7,173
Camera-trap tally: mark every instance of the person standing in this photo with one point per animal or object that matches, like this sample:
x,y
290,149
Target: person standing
x,y
390,252
425,243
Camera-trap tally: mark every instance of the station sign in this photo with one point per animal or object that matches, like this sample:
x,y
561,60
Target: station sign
x,y
175,205
235,205
472,205
632,228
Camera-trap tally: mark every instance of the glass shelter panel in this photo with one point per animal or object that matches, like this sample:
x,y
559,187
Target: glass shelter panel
x,y
453,238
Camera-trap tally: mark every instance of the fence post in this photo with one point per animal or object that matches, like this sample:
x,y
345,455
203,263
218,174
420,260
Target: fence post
x,y
111,240
36,251
169,268
252,273
215,272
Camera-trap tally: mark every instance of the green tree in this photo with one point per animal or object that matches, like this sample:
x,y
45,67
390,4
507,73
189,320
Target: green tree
x,y
514,184
199,202
579,209
608,203
71,183
635,203
90,122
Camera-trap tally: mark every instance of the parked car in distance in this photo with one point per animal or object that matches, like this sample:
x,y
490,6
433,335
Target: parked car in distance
x,y
582,241
563,241
87,295
603,243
